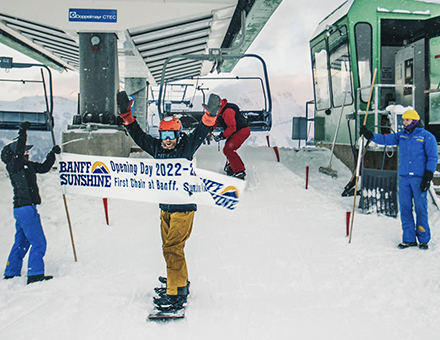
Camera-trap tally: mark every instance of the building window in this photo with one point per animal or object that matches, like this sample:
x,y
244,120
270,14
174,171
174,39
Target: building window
x,y
340,69
434,80
363,36
321,76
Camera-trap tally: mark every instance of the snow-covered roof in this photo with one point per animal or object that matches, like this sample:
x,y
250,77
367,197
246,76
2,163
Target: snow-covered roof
x,y
337,14
343,9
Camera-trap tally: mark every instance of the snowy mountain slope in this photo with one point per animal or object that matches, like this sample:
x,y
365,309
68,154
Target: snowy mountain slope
x,y
279,266
64,109
284,109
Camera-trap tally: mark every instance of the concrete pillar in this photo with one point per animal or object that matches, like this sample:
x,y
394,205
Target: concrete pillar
x,y
136,87
94,130
98,77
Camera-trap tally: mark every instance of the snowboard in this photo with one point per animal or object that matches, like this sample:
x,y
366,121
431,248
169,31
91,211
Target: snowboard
x,y
161,315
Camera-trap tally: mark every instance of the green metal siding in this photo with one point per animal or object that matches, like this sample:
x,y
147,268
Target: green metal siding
x,y
366,11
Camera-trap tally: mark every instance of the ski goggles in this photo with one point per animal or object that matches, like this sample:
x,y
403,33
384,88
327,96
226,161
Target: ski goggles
x,y
164,135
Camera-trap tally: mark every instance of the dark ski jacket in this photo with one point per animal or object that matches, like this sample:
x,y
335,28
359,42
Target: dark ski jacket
x,y
186,147
230,119
22,173
417,150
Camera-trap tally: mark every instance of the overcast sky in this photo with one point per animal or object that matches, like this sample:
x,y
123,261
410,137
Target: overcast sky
x,y
283,43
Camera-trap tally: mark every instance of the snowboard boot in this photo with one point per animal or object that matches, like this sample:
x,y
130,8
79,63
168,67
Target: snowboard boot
x,y
423,246
38,278
239,175
228,169
163,280
163,290
170,302
405,245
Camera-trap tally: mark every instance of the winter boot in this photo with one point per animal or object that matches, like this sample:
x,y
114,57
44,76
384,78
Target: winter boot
x,y
423,246
170,302
7,277
239,175
405,245
38,278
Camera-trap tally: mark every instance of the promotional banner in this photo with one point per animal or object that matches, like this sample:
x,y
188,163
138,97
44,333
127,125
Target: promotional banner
x,y
168,181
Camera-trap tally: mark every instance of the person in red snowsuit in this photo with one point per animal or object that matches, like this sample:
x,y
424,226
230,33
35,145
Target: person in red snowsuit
x,y
235,130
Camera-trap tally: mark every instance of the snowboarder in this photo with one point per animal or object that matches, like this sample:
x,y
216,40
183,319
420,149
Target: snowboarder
x,y
418,157
235,130
176,219
29,232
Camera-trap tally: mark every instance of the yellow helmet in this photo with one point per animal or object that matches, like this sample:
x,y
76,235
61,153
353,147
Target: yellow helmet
x,y
411,114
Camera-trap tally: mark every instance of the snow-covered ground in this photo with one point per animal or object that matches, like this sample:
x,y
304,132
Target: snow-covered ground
x,y
278,267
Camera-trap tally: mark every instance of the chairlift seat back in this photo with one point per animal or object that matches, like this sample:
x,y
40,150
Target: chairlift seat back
x,y
10,120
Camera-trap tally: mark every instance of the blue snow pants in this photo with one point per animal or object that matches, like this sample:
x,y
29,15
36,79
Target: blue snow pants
x,y
409,192
29,233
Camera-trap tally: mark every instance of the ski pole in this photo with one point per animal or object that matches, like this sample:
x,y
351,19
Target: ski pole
x,y
360,156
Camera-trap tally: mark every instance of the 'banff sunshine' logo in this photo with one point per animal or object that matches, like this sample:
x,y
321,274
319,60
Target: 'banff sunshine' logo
x,y
84,174
100,168
230,191
227,197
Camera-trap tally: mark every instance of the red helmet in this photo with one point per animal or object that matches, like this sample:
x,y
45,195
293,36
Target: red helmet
x,y
170,123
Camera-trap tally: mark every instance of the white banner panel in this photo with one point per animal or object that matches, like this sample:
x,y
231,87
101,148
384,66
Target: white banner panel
x,y
168,181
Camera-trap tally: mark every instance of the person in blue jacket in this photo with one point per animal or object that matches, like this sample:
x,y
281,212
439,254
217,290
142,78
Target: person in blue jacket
x,y
418,157
176,220
29,235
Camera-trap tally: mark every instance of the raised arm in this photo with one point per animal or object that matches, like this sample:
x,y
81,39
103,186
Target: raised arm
x,y
145,141
42,168
196,137
18,147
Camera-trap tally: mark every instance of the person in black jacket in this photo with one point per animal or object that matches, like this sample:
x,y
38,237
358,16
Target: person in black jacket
x,y
29,232
176,219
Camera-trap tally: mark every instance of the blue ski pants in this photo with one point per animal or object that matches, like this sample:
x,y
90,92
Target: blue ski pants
x,y
29,233
411,195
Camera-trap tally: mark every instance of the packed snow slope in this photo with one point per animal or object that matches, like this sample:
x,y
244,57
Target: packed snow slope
x,y
278,267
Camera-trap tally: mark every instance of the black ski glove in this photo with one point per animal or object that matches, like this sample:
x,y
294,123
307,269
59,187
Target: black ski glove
x,y
367,133
124,106
426,181
218,137
24,127
123,102
56,149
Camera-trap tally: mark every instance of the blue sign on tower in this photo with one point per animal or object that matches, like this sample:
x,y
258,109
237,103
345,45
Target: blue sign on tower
x,y
93,15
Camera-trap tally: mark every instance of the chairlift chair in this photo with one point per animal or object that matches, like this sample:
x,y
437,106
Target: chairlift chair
x,y
40,120
258,120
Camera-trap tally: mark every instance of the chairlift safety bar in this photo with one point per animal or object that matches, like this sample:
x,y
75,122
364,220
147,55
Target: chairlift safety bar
x,y
216,56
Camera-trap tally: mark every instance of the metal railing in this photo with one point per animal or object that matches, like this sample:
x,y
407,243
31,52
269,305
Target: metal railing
x,y
378,110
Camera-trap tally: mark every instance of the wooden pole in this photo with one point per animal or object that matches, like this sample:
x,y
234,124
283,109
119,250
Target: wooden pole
x,y
360,156
49,120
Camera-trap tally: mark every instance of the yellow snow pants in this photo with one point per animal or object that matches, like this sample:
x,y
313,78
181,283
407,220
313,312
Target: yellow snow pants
x,y
175,228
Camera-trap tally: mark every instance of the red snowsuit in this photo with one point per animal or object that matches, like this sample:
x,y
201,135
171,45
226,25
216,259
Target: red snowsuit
x,y
235,133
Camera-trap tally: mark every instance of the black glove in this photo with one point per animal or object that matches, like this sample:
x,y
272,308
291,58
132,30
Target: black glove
x,y
123,102
124,105
56,149
426,181
24,127
367,133
218,137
